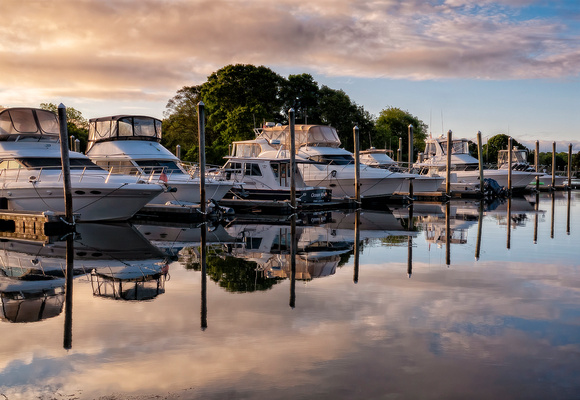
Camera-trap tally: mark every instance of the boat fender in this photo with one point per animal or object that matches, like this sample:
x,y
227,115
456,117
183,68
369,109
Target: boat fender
x,y
333,173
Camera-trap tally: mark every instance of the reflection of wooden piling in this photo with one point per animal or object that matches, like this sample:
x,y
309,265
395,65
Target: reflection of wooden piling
x,y
203,262
479,229
448,233
480,159
448,165
356,245
409,255
67,339
553,216
356,164
509,188
291,117
293,245
568,213
509,222
536,208
201,134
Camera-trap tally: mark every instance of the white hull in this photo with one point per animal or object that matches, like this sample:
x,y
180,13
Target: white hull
x,y
422,184
520,179
91,202
188,192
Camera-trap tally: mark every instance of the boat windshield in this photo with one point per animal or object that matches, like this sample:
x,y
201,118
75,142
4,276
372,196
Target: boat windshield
x,y
22,121
333,159
159,165
457,147
48,163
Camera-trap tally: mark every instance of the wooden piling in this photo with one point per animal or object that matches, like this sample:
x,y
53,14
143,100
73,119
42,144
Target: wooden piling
x,y
448,166
356,164
201,134
553,165
291,117
509,188
480,159
570,166
410,146
537,162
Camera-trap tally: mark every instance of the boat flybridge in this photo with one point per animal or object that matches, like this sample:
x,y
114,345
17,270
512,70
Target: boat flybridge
x,y
323,163
266,174
130,144
465,167
520,163
31,175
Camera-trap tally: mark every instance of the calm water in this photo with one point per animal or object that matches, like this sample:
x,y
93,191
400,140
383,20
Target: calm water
x,y
403,315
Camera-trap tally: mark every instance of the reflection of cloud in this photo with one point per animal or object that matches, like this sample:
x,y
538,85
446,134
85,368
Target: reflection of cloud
x,y
158,46
443,327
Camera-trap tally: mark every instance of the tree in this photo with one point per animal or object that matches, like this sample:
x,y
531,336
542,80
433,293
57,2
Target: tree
x,y
495,144
393,123
180,123
76,124
301,93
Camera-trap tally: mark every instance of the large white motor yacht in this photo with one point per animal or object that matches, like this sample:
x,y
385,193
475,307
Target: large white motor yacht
x,y
31,173
130,144
265,174
326,164
465,167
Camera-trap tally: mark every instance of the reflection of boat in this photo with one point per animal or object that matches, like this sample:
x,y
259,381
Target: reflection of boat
x,y
465,167
323,163
317,254
520,163
31,172
127,144
116,251
265,174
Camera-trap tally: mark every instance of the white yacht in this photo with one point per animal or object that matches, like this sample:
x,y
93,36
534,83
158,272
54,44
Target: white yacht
x,y
130,144
323,163
31,173
266,174
465,167
379,158
520,163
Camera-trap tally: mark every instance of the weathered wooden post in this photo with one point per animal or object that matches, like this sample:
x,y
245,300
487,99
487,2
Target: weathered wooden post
x,y
569,166
201,134
537,161
480,159
291,117
178,151
509,166
356,165
69,218
553,165
448,167
410,146
400,151
77,146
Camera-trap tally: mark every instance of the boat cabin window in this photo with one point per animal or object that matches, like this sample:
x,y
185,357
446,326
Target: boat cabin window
x,y
333,159
119,167
457,147
252,169
430,149
235,167
49,163
10,164
168,166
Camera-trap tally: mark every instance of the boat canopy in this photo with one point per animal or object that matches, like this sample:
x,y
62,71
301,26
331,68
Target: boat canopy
x,y
305,135
16,123
124,127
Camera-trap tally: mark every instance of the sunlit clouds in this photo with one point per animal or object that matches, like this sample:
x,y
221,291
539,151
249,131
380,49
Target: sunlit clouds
x,y
149,47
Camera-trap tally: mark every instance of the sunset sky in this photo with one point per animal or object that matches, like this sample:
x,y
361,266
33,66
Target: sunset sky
x,y
498,66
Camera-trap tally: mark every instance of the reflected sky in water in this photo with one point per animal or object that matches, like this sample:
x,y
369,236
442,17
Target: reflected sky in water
x,y
505,325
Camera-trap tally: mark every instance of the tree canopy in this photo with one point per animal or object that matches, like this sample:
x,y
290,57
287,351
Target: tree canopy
x,y
495,144
76,124
392,124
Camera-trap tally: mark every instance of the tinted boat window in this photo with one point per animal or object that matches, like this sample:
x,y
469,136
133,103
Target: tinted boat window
x,y
75,163
170,166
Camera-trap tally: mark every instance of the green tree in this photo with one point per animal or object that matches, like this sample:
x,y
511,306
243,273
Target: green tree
x,y
393,123
180,123
301,93
76,124
495,144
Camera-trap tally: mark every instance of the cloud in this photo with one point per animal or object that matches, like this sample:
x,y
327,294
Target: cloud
x,y
153,47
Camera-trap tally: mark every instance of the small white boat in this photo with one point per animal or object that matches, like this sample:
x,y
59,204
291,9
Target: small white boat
x,y
130,144
379,158
324,163
31,176
265,174
465,167
520,163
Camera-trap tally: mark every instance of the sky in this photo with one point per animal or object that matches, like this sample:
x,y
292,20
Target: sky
x,y
495,66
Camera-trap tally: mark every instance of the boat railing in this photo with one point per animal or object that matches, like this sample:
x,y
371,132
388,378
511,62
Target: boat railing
x,y
76,175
